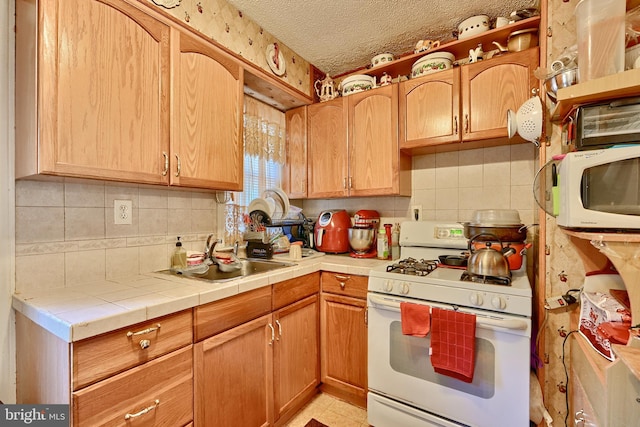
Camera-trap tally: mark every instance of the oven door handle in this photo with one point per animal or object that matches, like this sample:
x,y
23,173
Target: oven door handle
x,y
481,321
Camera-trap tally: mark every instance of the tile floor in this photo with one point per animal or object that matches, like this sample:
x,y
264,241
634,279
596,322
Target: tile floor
x,y
332,412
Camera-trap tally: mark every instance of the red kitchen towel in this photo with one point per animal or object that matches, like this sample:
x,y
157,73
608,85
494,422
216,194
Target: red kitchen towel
x,y
415,319
453,343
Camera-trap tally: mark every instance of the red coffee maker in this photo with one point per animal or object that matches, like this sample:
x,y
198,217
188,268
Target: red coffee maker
x,y
369,219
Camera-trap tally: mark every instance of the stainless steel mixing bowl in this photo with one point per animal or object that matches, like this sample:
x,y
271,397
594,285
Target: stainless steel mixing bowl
x,y
361,239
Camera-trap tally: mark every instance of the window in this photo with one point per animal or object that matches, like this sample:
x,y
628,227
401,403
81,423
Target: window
x,y
264,149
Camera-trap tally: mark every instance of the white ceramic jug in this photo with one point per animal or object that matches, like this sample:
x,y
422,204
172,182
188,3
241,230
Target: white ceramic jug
x,y
327,90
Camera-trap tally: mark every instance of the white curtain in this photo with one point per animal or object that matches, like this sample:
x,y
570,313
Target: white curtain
x,y
264,149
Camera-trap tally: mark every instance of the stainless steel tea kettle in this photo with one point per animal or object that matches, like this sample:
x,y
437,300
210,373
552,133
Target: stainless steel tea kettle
x,y
488,261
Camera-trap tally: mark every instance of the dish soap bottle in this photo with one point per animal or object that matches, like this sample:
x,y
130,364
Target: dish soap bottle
x,y
383,244
179,258
395,242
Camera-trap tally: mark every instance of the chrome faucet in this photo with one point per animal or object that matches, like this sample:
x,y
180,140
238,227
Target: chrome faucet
x,y
209,247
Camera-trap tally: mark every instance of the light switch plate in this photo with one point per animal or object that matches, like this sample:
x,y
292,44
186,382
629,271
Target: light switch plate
x,y
122,212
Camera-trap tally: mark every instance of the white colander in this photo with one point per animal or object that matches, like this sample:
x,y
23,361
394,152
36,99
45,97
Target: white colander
x,y
529,119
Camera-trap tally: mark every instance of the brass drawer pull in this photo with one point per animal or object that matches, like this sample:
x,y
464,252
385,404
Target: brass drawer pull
x,y
166,164
143,411
178,167
279,329
342,279
273,334
144,344
144,331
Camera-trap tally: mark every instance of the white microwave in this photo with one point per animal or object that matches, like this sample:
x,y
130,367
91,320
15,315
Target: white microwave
x,y
600,189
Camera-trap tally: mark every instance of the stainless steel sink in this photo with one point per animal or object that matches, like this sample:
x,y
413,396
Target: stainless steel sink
x,y
249,267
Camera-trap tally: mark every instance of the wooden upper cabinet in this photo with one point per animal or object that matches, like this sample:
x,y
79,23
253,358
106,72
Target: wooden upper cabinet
x,y
491,87
466,103
108,89
430,109
295,181
353,146
375,166
207,146
327,149
92,90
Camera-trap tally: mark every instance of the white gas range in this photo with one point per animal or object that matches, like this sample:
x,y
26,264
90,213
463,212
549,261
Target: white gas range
x,y
404,389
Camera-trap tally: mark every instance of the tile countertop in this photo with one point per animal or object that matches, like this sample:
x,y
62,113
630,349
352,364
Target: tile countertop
x,y
90,309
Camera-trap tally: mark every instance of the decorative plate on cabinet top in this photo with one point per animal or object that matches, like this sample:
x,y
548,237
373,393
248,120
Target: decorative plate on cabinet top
x,y
168,4
275,59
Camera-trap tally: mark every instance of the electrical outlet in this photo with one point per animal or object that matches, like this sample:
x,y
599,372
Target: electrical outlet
x,y
122,212
416,213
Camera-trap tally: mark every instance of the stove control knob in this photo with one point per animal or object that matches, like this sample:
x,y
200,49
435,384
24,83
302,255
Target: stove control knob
x,y
498,302
476,299
405,288
388,285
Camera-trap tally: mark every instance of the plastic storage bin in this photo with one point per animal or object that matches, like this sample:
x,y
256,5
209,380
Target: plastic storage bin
x,y
600,27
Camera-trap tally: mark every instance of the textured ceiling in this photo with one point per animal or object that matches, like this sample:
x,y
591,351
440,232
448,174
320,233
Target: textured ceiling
x,y
338,36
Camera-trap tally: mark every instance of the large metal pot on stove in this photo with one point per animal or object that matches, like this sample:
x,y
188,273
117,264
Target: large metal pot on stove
x,y
488,261
504,224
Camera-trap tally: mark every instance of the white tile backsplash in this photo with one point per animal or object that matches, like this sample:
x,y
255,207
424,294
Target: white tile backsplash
x,y
84,223
451,185
39,224
66,236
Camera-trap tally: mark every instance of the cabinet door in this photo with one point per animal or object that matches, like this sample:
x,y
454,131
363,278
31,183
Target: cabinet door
x,y
296,179
102,93
206,143
489,88
430,110
344,346
327,149
296,354
374,156
580,409
234,377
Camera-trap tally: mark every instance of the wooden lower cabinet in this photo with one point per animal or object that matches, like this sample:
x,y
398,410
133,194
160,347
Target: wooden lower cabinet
x,y
233,377
344,337
259,372
158,393
141,375
296,355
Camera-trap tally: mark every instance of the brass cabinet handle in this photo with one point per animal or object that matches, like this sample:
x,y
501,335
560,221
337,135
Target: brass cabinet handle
x,y
342,279
166,164
344,183
143,411
144,344
279,329
178,166
350,185
273,334
466,123
144,331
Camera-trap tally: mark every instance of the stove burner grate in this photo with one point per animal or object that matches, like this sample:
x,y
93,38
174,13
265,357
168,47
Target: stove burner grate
x,y
413,267
490,280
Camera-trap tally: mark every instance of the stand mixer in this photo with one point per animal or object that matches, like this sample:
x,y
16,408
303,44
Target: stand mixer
x,y
364,222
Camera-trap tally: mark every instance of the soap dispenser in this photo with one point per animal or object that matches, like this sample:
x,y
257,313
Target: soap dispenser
x,y
179,259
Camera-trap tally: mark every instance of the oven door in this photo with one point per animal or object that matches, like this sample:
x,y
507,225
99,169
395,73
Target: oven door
x,y
400,368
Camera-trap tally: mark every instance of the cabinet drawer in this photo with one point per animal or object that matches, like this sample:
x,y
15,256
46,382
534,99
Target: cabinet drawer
x,y
218,316
102,356
158,393
345,284
289,291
